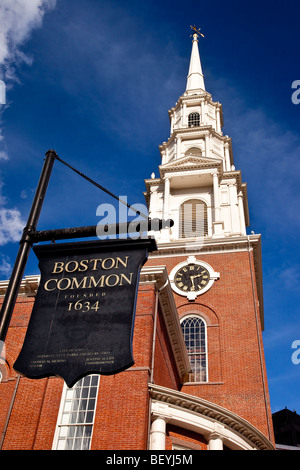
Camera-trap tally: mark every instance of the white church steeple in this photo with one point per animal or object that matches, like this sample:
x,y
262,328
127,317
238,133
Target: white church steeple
x,y
198,186
195,79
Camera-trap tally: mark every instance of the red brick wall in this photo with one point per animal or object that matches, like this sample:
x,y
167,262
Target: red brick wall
x,y
122,415
122,412
33,416
184,437
236,366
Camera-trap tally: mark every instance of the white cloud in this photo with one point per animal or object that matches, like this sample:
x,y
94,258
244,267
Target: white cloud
x,y
11,225
3,155
5,266
17,19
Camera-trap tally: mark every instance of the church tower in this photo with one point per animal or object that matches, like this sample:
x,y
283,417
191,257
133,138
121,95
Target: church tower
x,y
198,381
214,267
197,175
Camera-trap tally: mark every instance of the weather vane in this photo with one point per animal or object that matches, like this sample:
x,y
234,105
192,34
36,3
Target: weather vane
x,y
196,30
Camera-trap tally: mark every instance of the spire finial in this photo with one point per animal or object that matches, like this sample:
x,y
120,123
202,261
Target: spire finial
x,y
196,31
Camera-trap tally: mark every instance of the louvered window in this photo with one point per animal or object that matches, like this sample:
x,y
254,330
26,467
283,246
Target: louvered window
x,y
194,119
194,333
193,219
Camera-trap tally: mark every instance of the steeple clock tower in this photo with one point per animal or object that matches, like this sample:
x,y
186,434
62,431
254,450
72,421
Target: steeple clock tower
x,y
214,266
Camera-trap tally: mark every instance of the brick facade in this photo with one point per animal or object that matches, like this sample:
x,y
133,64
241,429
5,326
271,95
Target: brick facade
x,y
123,401
236,370
236,366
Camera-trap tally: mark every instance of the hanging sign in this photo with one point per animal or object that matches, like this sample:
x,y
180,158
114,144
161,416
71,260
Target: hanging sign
x,y
83,316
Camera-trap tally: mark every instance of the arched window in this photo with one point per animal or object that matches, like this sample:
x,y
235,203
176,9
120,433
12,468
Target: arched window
x,y
194,119
193,151
194,333
193,219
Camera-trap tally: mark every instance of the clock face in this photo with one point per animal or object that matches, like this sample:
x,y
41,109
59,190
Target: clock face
x,y
191,278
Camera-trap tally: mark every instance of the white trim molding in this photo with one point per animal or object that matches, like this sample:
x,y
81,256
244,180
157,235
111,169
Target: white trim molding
x,y
217,424
28,287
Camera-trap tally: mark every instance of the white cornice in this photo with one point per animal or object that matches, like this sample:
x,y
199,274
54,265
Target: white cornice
x,y
206,245
205,417
28,287
193,163
200,96
202,129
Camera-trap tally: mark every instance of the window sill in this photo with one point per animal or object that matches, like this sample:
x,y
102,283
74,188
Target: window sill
x,y
203,383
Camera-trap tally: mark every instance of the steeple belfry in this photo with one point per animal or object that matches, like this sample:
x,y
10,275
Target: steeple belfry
x,y
195,79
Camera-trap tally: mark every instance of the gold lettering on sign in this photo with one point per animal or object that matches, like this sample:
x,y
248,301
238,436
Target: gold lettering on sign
x,y
88,282
103,279
95,264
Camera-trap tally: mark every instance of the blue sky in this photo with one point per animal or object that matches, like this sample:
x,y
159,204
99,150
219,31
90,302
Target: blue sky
x,y
94,80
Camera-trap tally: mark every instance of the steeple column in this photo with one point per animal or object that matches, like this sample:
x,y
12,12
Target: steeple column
x,y
218,225
227,156
184,114
166,197
178,146
216,196
241,213
218,120
165,232
207,145
202,112
172,122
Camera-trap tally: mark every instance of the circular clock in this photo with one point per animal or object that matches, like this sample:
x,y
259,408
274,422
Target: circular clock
x,y
191,278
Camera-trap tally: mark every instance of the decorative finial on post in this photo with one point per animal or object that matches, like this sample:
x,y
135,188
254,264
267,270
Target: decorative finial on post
x,y
197,31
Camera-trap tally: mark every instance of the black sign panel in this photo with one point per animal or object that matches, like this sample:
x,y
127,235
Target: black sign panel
x,y
83,316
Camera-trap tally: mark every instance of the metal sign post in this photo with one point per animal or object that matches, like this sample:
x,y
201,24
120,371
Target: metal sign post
x,y
25,246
